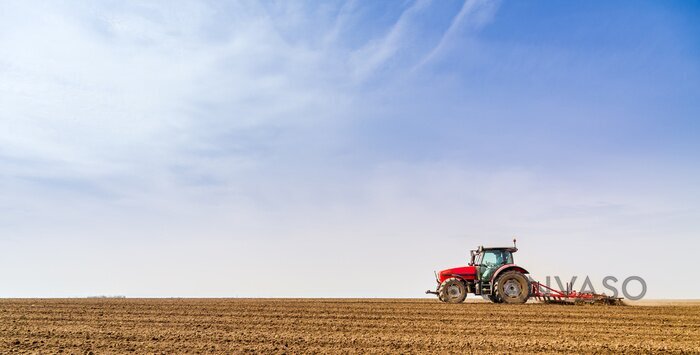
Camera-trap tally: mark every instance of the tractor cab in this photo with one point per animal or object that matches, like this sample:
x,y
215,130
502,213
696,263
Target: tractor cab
x,y
488,260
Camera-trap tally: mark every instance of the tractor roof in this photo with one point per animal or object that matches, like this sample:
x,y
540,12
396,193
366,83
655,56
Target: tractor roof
x,y
510,249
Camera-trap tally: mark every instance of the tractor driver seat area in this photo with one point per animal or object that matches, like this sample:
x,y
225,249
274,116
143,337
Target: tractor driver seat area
x,y
492,260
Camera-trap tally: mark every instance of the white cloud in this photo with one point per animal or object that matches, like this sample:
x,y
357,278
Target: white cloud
x,y
107,90
135,86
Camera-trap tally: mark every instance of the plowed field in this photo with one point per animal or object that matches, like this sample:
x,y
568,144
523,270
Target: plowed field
x,y
336,326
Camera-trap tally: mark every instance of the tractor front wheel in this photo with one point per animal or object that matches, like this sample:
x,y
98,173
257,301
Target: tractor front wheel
x,y
452,290
513,287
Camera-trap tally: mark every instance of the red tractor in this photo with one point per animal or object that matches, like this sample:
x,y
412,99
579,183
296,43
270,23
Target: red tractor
x,y
491,273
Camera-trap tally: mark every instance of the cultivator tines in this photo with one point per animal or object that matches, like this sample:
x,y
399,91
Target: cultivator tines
x,y
547,294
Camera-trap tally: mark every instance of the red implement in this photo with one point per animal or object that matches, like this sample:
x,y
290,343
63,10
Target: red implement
x,y
547,294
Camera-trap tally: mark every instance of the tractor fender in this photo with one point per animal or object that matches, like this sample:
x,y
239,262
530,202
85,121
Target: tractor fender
x,y
466,273
508,267
468,283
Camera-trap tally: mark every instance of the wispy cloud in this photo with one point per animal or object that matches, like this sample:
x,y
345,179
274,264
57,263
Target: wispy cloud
x,y
107,90
379,51
477,12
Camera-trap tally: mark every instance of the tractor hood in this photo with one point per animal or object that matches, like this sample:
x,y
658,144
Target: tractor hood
x,y
464,272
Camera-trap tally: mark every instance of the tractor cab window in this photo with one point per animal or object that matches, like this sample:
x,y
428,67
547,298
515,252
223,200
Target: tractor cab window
x,y
490,260
497,258
507,257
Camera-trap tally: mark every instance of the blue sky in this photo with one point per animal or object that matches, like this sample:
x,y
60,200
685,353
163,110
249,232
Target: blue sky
x,y
157,149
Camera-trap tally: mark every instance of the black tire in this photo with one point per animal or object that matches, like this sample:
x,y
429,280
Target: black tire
x,y
495,299
452,290
512,287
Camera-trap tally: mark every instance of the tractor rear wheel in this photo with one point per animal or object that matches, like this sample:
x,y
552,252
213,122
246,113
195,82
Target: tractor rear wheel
x,y
452,290
512,287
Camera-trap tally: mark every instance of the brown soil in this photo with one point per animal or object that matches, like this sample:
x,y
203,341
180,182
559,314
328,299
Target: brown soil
x,y
82,326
